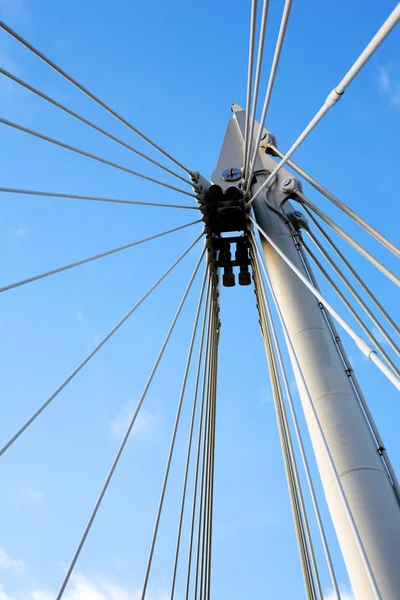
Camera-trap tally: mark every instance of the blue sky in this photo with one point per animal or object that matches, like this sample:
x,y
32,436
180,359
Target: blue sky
x,y
173,69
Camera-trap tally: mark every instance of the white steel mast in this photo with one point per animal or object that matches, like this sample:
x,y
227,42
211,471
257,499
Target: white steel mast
x,y
370,498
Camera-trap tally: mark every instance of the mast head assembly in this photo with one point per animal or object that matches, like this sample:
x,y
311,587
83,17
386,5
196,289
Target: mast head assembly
x,y
223,212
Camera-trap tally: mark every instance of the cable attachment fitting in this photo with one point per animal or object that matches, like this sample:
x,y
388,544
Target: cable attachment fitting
x,y
333,97
298,220
291,186
267,140
200,186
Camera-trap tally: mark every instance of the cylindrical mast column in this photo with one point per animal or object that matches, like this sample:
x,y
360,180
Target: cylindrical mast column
x,y
366,484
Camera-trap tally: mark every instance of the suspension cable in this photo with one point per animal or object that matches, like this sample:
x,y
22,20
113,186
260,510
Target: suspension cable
x,y
213,393
353,379
92,156
175,430
79,117
201,577
91,258
351,269
349,239
260,53
253,20
190,441
63,73
128,431
271,80
351,288
201,526
361,323
93,352
335,200
361,344
199,467
335,94
299,372
201,558
304,540
296,427
94,198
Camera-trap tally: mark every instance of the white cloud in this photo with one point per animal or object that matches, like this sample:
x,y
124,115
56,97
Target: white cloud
x,y
345,594
389,86
10,564
146,423
79,316
35,494
384,83
378,336
83,588
4,595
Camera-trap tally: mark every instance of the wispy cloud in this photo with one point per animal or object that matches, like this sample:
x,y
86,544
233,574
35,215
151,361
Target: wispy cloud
x,y
35,494
389,85
79,316
147,423
93,342
345,594
19,232
10,564
377,334
82,587
265,395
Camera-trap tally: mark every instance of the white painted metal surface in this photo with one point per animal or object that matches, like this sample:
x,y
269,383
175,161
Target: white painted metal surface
x,y
367,487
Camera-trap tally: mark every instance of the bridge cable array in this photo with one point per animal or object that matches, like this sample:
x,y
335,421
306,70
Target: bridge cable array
x,y
195,565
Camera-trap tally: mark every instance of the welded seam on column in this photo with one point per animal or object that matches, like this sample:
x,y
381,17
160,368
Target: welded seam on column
x,y
381,471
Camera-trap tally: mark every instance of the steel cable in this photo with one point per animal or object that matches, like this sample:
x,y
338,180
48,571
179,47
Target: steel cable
x,y
351,269
127,434
74,82
335,200
336,477
104,161
92,258
94,351
334,95
93,198
173,438
354,293
79,117
253,19
361,343
349,239
190,441
260,53
352,311
298,433
271,81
